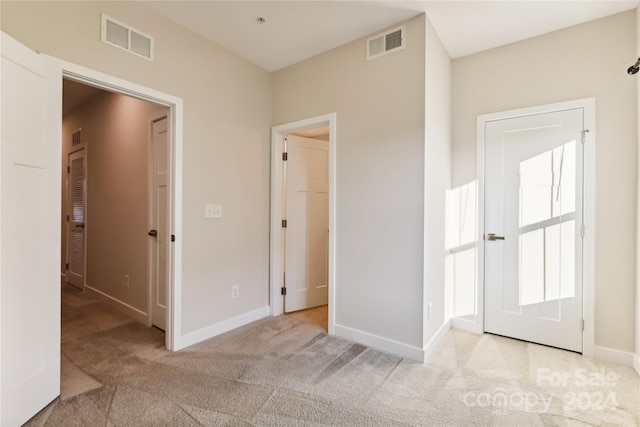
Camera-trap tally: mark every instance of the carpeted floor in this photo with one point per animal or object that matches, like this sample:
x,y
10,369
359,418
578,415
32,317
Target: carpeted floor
x,y
281,371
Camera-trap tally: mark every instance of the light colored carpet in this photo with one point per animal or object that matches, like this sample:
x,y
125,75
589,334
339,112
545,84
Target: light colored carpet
x,y
283,372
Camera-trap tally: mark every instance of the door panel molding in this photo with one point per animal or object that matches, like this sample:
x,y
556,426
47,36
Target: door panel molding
x,y
588,270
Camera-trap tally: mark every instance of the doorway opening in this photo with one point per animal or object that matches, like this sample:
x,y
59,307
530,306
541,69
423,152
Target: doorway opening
x,y
110,158
128,94
303,234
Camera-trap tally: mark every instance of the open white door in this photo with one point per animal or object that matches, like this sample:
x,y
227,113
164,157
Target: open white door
x,y
307,213
30,153
159,233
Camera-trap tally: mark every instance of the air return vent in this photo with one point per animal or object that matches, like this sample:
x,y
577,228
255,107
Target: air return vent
x,y
122,36
76,138
383,44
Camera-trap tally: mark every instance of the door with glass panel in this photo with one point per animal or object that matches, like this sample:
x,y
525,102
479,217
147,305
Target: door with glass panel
x,y
533,228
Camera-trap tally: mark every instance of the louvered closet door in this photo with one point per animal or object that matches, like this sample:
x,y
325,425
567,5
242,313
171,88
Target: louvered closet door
x,y
76,213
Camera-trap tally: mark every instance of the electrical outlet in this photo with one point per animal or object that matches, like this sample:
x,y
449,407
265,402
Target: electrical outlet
x,y
235,292
212,210
126,281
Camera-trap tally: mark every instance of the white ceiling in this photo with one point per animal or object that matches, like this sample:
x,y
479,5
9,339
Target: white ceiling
x,y
296,30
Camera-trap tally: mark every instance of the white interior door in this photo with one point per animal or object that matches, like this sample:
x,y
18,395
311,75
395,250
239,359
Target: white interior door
x,y
30,192
76,206
534,200
307,212
159,233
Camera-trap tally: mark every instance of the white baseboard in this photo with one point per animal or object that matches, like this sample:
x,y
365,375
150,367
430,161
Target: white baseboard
x,y
182,341
636,362
436,339
465,325
616,356
121,306
380,343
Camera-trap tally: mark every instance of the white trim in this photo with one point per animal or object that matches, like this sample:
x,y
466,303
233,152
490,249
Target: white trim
x,y
466,325
121,306
588,263
277,245
636,363
221,327
380,343
175,128
606,354
435,340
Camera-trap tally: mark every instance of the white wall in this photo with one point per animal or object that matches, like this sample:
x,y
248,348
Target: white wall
x,y
380,177
437,179
587,60
227,116
116,129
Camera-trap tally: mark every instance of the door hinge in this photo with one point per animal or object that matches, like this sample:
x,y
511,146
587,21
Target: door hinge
x,y
284,223
66,266
67,218
285,157
283,291
584,136
68,169
173,237
582,230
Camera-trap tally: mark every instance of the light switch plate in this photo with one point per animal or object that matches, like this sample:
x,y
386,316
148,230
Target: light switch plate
x,y
212,210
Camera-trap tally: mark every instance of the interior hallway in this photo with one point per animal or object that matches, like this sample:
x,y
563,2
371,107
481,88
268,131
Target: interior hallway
x,y
281,371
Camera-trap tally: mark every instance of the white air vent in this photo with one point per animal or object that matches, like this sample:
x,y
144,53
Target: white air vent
x,y
122,36
76,138
383,44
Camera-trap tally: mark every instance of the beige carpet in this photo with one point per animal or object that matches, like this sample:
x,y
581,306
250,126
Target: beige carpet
x,y
283,372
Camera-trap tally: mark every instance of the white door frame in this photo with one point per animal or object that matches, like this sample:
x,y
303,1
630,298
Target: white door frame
x,y
589,209
277,210
78,73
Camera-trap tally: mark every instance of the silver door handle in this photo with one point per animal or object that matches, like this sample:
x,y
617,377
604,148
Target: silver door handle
x,y
493,237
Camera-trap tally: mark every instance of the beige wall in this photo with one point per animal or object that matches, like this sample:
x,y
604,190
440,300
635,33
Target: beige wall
x,y
588,60
227,103
116,130
437,178
380,186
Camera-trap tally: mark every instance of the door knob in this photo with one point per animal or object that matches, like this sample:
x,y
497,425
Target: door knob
x,y
79,225
153,233
493,237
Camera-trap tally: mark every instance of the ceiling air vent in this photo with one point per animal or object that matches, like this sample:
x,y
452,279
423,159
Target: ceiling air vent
x,y
383,44
122,36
